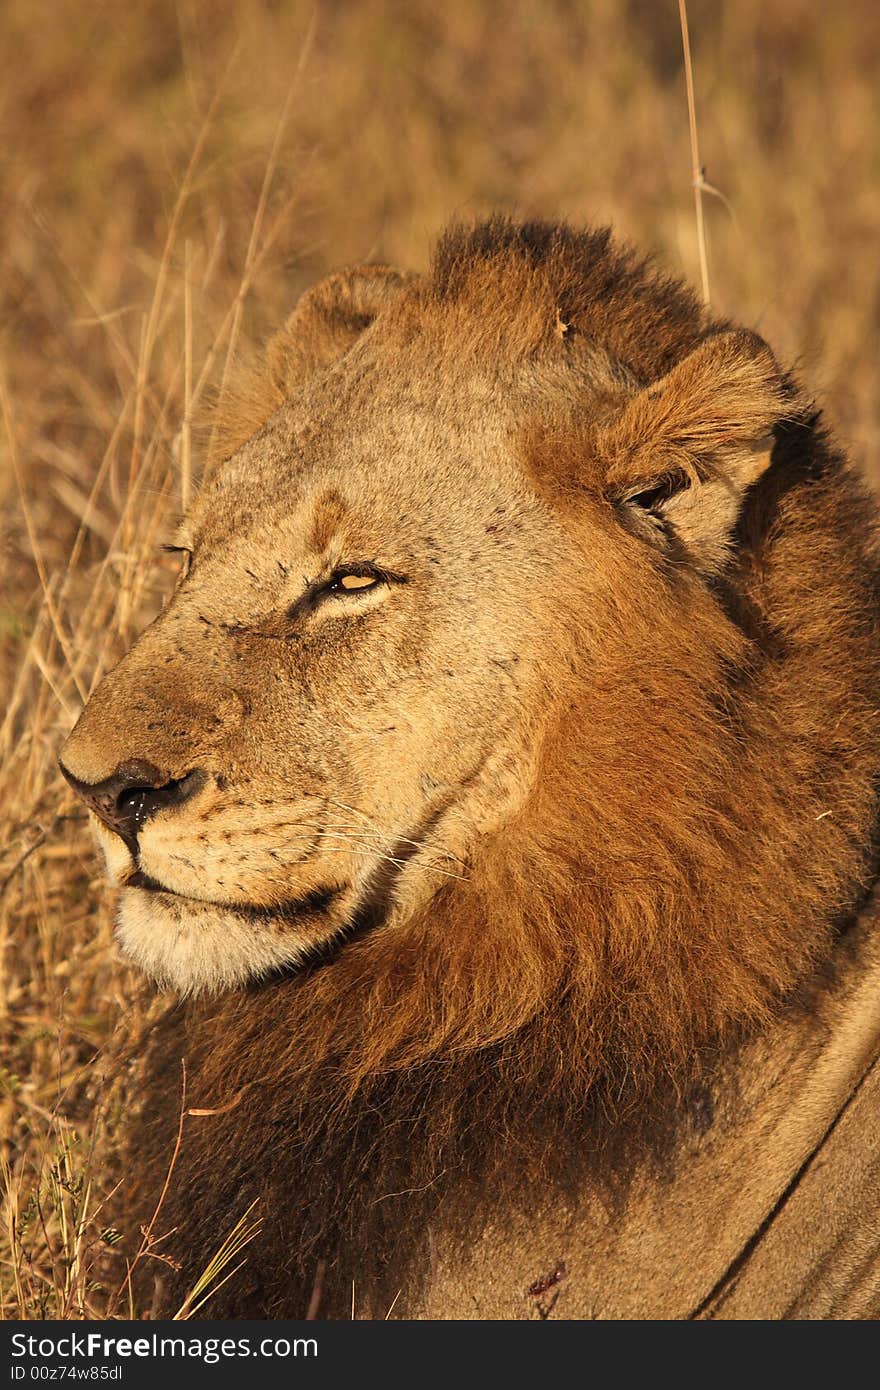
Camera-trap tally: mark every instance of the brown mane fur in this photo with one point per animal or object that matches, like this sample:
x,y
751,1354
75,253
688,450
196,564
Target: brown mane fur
x,y
702,827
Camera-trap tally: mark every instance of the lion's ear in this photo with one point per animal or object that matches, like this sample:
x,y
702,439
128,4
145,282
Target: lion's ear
x,y
328,319
682,452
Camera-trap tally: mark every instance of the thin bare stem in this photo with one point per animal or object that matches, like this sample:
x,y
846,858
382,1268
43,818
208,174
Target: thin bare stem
x,y
696,166
186,428
148,1241
317,1290
260,213
36,551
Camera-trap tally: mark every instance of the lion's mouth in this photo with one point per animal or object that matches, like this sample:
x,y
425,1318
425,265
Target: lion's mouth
x,y
320,933
312,904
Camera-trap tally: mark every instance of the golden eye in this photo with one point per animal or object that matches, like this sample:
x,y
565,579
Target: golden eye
x,y
360,577
357,581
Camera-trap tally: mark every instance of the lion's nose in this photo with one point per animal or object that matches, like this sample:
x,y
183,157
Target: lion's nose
x,y
136,791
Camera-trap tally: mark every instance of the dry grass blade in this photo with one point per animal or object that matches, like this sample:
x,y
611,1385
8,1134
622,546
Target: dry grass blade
x,y
209,1281
260,213
696,165
36,550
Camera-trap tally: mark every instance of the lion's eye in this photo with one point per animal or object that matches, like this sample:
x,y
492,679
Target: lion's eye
x,y
354,579
357,581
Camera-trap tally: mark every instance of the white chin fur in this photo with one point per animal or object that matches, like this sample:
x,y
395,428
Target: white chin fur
x,y
197,948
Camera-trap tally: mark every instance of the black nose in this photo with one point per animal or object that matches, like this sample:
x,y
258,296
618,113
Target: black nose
x,y
136,791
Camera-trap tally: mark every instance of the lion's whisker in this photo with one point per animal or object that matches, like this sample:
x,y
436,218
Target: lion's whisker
x,y
337,830
363,851
402,838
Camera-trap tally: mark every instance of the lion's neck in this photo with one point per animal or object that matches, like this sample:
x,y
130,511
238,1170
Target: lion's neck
x,y
459,1183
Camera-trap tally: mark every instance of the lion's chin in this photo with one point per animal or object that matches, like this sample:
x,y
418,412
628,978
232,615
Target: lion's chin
x,y
203,948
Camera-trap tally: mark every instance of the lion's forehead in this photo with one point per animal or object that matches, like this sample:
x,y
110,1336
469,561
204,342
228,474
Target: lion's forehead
x,y
416,478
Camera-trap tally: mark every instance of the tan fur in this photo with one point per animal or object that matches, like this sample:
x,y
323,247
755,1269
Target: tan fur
x,y
591,778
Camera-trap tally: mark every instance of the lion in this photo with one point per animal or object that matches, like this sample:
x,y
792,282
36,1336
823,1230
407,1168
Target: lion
x,y
498,796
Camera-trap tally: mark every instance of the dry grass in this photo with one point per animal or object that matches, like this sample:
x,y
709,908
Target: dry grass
x,y
173,175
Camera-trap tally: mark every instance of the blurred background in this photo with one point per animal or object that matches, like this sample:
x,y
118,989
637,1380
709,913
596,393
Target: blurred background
x,y
174,173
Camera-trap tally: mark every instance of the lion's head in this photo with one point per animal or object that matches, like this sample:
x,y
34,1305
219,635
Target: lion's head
x,y
528,594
